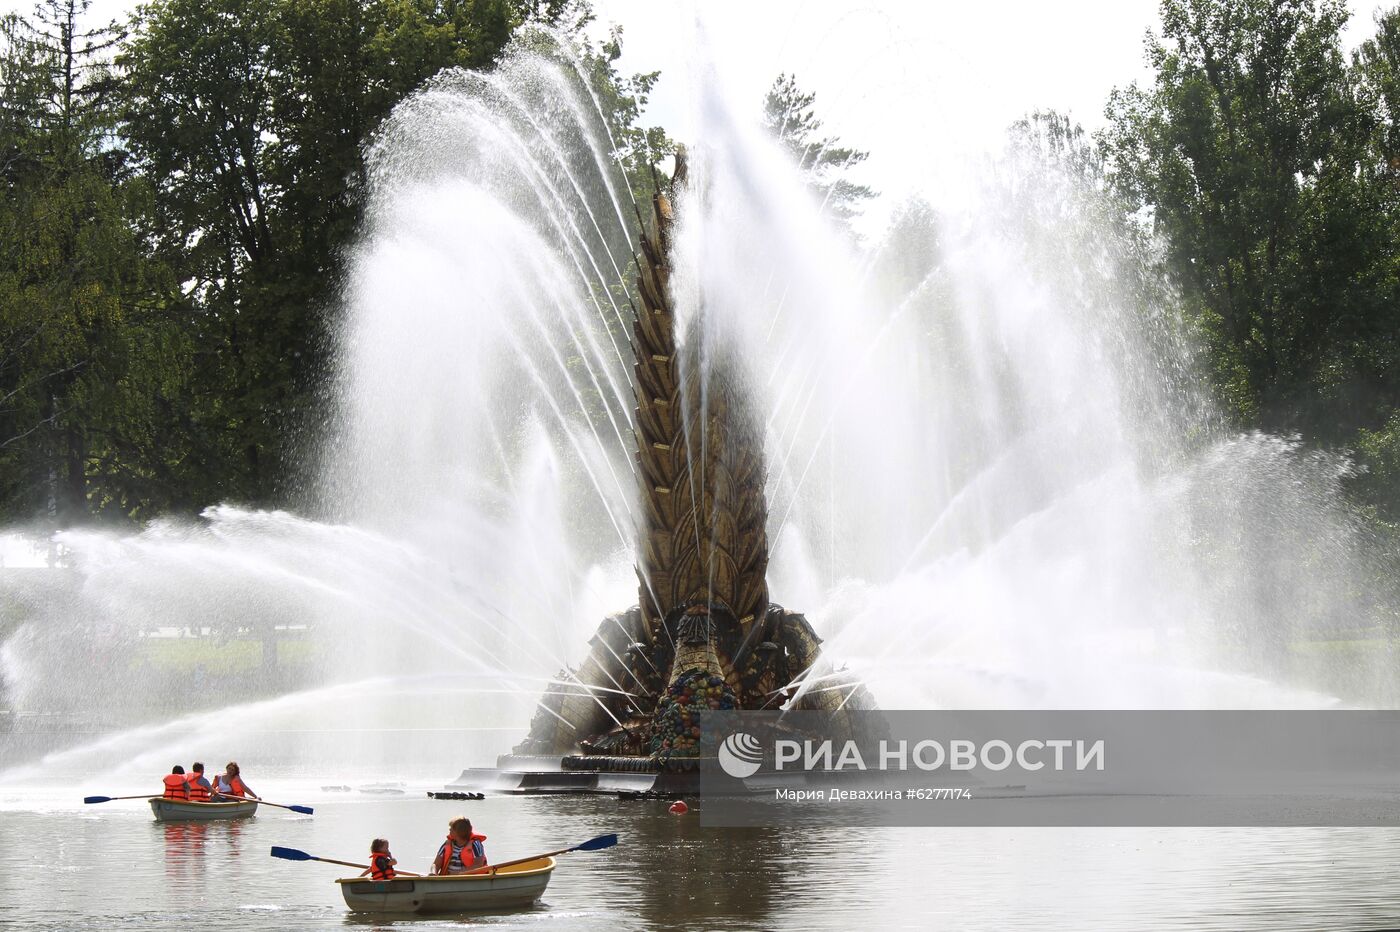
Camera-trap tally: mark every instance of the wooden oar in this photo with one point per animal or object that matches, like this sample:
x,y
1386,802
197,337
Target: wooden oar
x,y
593,844
292,854
108,799
304,810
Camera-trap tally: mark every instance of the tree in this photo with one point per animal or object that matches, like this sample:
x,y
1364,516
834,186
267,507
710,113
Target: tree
x,y
1250,155
1377,447
176,207
622,99
790,115
249,117
74,284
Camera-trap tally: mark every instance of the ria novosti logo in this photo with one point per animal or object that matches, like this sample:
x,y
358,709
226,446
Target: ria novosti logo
x,y
740,755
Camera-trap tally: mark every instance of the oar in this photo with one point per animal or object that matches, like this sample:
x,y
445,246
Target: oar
x,y
593,844
304,810
292,854
108,799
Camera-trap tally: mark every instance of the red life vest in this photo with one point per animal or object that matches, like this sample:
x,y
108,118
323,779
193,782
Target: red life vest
x,y
375,873
452,851
176,787
198,791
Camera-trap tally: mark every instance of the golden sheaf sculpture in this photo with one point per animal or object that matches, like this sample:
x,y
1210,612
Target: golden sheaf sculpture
x,y
704,634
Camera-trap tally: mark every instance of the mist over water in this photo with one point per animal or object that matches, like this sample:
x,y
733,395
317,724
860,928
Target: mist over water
x,y
993,480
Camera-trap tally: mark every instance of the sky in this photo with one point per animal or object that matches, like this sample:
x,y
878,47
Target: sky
x,y
925,87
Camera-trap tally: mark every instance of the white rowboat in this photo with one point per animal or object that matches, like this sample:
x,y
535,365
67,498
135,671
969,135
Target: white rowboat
x,y
512,886
179,810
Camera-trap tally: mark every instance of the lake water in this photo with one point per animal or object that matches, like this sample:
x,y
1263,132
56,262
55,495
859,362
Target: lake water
x,y
64,865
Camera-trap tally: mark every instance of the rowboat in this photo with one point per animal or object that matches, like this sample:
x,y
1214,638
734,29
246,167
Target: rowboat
x,y
511,886
179,810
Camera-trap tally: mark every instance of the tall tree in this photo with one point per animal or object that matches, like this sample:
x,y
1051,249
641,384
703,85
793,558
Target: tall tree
x,y
1377,68
73,280
1250,153
789,113
173,222
249,116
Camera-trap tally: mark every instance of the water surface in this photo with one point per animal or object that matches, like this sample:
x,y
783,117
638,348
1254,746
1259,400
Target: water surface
x,y
68,866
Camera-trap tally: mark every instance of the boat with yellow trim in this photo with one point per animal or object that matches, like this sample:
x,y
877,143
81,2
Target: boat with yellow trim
x,y
510,885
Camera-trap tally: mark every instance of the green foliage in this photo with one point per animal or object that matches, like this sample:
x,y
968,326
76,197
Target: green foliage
x,y
1267,166
78,293
638,148
248,116
1378,453
789,114
1253,154
177,204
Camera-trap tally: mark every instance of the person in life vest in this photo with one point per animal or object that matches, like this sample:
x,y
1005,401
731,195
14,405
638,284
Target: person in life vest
x,y
381,862
175,785
462,851
199,786
230,785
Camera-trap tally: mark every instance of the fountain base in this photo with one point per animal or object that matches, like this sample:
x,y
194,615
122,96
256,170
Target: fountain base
x,y
628,719
520,777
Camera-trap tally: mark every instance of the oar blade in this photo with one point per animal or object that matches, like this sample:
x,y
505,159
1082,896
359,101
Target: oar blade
x,y
304,810
291,854
597,844
97,799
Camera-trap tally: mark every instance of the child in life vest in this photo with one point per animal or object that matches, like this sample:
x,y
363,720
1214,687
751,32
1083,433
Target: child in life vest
x,y
462,851
381,862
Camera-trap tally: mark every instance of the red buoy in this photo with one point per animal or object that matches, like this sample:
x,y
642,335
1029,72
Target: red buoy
x,y
679,807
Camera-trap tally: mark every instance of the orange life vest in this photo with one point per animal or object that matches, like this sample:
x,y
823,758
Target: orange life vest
x,y
198,791
453,851
375,873
176,787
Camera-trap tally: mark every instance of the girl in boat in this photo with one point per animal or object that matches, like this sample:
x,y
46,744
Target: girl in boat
x,y
381,862
463,850
229,785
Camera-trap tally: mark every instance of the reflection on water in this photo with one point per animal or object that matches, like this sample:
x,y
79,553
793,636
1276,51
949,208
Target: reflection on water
x,y
184,849
68,867
186,844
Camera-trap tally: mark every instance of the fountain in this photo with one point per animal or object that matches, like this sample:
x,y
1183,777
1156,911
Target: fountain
x,y
704,634
972,452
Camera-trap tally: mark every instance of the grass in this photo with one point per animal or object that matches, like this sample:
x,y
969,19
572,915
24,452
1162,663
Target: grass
x,y
1359,646
220,657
